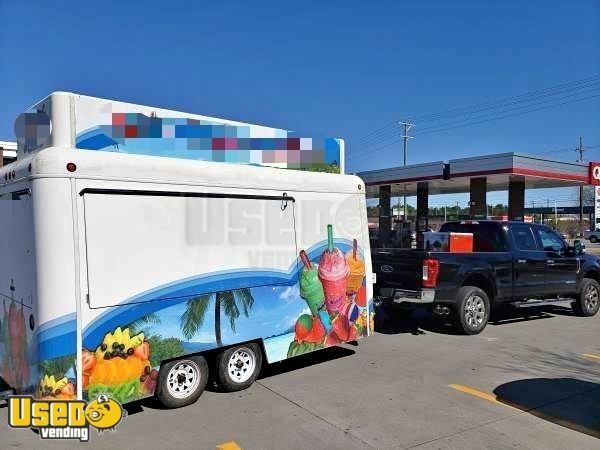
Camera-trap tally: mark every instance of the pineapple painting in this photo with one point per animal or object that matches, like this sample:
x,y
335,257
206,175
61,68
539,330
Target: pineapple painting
x,y
52,389
120,367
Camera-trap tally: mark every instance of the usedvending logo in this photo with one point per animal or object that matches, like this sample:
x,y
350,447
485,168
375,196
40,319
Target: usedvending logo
x,y
65,419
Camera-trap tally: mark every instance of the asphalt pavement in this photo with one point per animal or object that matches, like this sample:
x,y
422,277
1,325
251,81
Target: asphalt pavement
x,y
530,380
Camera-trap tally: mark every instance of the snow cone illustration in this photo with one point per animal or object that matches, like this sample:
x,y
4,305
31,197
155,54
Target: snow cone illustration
x,y
356,273
311,290
333,271
119,367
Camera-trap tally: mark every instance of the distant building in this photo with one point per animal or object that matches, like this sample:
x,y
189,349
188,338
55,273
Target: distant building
x,y
8,152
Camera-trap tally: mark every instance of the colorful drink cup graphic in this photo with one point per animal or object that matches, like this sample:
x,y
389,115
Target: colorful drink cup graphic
x,y
311,290
333,271
356,274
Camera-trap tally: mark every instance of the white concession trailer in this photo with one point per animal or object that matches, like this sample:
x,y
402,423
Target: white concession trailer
x,y
142,248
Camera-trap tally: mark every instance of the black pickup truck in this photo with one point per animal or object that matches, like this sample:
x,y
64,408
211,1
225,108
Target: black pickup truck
x,y
511,262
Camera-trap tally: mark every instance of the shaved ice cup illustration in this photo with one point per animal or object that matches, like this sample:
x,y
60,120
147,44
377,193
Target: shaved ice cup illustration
x,y
356,274
311,290
333,271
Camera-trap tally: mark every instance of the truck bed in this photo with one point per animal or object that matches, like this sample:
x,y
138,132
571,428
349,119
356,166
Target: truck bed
x,y
401,269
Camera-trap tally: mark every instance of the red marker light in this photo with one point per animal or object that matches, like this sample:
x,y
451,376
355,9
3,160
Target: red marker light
x,y
71,167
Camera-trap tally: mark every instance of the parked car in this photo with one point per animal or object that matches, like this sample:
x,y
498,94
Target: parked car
x,y
592,235
512,262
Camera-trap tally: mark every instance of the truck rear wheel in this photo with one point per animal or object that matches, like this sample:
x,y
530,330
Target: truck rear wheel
x,y
182,381
588,303
473,309
238,367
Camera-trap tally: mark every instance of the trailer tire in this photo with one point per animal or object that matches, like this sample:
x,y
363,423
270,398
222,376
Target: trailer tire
x,y
238,367
588,301
182,381
473,309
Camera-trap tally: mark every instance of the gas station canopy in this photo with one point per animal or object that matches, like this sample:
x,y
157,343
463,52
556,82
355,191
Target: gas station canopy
x,y
514,172
498,170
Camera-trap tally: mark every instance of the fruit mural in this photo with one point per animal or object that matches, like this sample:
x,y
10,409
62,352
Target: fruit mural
x,y
120,367
14,367
335,293
52,389
324,304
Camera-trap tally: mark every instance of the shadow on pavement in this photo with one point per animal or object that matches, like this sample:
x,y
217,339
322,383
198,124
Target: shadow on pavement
x,y
396,319
269,370
569,402
508,315
309,359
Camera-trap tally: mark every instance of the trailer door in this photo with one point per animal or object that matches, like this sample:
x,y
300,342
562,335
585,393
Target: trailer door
x,y
149,246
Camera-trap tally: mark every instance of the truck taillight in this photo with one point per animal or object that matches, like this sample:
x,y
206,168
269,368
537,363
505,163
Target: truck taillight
x,y
431,270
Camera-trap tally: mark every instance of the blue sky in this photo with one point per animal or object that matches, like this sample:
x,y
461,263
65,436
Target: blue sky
x,y
339,68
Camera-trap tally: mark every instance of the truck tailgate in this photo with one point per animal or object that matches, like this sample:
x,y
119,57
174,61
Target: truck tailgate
x,y
397,269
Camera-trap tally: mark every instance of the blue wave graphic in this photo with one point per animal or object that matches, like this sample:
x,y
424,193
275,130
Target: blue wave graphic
x,y
58,337
181,290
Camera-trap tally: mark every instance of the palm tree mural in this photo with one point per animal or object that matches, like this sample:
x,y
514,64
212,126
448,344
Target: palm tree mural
x,y
229,301
144,322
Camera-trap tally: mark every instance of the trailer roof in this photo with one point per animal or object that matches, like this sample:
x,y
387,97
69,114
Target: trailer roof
x,y
98,165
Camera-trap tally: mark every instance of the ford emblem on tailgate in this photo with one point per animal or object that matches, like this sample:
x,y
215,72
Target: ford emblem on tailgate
x,y
387,269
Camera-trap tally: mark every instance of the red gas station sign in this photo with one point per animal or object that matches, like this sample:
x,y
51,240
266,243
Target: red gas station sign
x,y
595,173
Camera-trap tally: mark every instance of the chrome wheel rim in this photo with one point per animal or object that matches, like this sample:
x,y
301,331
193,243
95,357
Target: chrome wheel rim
x,y
241,365
474,311
590,299
183,379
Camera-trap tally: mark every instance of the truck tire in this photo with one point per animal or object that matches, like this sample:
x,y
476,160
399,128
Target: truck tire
x,y
182,381
593,239
238,367
588,301
472,309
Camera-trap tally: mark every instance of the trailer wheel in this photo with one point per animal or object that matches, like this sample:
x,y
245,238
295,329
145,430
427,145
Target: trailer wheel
x,y
588,303
238,367
473,309
182,381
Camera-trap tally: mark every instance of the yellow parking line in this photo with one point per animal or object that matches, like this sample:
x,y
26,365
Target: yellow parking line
x,y
476,393
229,445
589,355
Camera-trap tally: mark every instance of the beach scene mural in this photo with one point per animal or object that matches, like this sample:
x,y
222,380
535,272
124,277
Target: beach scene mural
x,y
325,305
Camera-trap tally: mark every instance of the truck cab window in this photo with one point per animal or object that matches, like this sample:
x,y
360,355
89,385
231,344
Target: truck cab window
x,y
523,237
551,242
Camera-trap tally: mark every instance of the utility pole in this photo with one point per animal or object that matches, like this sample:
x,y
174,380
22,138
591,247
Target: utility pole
x,y
580,160
405,137
445,215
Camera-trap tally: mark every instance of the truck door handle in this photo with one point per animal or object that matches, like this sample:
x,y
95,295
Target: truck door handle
x,y
521,261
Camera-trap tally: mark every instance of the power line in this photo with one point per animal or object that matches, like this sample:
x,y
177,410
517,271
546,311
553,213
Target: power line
x,y
527,96
443,128
389,130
